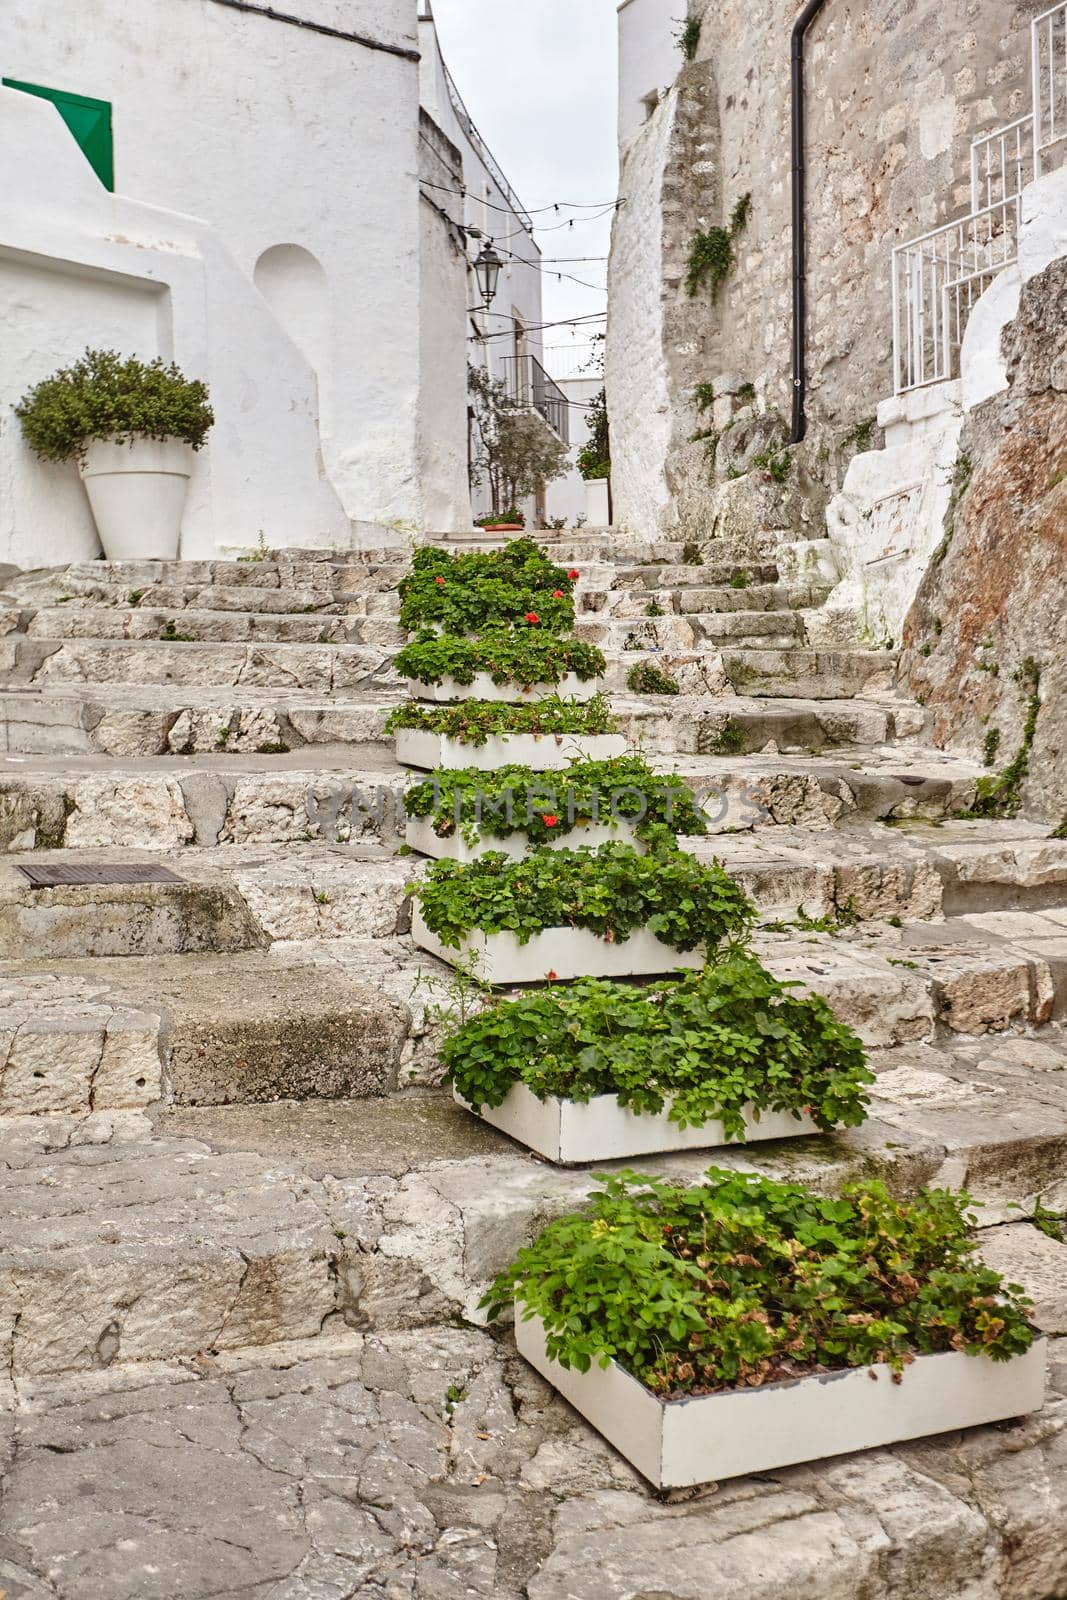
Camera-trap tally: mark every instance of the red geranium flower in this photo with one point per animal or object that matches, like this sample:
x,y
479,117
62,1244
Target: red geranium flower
x,y
550,977
557,594
440,582
574,573
532,618
550,821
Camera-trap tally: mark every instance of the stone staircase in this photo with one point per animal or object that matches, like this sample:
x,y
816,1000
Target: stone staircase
x,y
245,1232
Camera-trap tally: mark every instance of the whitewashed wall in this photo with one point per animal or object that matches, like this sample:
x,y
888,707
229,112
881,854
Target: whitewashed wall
x,y
282,139
648,58
488,207
77,262
635,361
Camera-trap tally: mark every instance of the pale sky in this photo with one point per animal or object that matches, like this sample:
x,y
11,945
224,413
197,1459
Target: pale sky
x,y
539,79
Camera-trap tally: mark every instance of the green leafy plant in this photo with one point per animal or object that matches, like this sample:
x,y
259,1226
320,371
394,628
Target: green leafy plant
x,y
474,721
777,464
478,589
1000,795
644,677
594,457
492,519
712,255
741,580
691,555
704,1047
742,1281
610,891
1050,1223
688,38
990,745
703,395
729,740
524,656
551,806
104,396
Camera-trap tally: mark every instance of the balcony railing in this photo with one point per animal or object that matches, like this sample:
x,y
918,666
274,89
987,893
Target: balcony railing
x,y
529,383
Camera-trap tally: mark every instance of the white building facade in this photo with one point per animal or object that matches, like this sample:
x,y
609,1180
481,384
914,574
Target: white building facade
x,y
247,192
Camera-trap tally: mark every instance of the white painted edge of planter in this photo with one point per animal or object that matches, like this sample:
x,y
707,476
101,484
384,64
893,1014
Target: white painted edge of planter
x,y
569,1132
678,1443
419,834
499,958
544,752
482,687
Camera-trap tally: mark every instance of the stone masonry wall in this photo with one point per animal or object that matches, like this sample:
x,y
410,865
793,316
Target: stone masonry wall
x,y
998,595
896,92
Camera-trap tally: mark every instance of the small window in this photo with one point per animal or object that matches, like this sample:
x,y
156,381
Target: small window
x,y
88,120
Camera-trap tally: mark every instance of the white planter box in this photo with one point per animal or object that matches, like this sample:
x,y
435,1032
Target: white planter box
x,y
482,687
597,512
602,1130
499,958
678,1443
544,752
420,835
137,494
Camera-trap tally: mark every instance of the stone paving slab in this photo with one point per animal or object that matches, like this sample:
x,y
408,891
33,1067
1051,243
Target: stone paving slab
x,y
437,1466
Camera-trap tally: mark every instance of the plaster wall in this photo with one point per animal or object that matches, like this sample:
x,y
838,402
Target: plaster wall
x,y
442,435
77,262
277,136
648,60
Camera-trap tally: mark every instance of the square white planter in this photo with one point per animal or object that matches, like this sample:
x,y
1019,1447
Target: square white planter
x,y
419,834
499,958
602,1130
482,687
678,1443
541,752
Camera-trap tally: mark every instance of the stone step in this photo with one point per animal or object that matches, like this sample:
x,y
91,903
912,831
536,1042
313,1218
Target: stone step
x,y
682,598
215,626
759,630
438,1460
256,1224
43,662
229,898
91,1037
815,674
610,577
953,868
155,720
333,793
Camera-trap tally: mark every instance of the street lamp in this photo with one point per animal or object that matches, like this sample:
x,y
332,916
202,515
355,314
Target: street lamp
x,y
487,270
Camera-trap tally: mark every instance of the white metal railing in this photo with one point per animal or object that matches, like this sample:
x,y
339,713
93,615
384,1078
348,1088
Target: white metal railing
x,y
938,277
1048,50
936,280
1001,163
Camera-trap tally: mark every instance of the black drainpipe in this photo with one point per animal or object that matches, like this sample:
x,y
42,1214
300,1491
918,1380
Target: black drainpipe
x,y
800,363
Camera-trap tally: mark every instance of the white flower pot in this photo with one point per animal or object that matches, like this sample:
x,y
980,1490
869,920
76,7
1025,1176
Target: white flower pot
x,y
678,1443
569,953
137,494
482,687
566,1131
541,752
419,834
597,503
